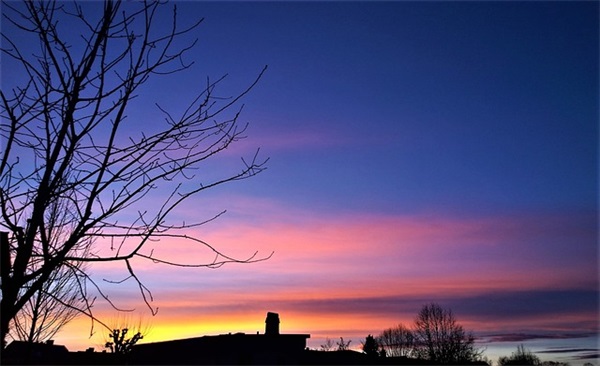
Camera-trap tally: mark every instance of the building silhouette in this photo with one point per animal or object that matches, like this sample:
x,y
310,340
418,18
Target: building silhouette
x,y
21,352
272,347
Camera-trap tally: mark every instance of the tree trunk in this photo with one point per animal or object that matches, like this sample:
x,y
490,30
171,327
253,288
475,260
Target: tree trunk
x,y
5,314
8,296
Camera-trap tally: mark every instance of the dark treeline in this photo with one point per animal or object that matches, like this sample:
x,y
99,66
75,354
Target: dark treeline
x,y
434,338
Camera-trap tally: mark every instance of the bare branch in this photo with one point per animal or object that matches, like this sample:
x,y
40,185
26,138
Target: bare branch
x,y
76,184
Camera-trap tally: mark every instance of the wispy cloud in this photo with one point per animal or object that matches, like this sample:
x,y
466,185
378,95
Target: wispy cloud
x,y
375,255
521,337
291,140
591,355
567,350
376,269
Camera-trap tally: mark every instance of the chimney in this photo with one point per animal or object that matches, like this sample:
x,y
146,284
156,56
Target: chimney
x,y
272,324
50,342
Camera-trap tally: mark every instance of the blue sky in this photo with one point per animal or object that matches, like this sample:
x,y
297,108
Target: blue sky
x,y
470,106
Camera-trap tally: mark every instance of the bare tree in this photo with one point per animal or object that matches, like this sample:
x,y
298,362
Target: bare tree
x,y
120,344
397,341
54,304
343,345
522,356
67,144
439,338
50,308
328,345
124,334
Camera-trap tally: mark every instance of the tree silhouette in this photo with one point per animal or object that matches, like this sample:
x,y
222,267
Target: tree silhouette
x,y
343,345
397,341
67,142
439,338
370,346
120,344
50,308
522,356
328,345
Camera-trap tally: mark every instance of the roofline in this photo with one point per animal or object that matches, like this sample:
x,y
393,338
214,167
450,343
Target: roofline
x,y
306,336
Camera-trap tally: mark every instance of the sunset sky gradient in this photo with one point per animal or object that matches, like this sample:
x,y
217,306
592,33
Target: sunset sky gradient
x,y
419,152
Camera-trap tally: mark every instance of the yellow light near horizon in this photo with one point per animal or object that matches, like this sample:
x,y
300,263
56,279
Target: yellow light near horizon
x,y
194,328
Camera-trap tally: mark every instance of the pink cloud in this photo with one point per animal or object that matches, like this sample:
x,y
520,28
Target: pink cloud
x,y
328,269
274,140
369,253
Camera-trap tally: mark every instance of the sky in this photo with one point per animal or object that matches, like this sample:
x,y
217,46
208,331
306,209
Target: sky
x,y
418,152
